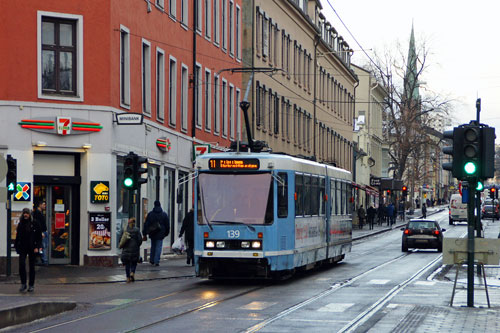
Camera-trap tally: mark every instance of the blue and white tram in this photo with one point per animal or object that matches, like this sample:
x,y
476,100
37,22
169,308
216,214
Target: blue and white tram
x,y
262,215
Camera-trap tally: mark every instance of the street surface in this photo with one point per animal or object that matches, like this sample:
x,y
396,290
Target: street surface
x,y
377,288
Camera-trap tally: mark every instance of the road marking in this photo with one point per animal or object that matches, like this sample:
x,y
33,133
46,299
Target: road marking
x,y
119,301
378,281
335,307
425,283
257,306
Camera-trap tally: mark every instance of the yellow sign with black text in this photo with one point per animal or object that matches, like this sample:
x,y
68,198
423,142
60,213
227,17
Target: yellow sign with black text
x,y
99,191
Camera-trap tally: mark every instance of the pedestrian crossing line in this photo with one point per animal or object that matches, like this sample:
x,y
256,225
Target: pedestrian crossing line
x,y
335,307
257,306
118,301
425,283
378,281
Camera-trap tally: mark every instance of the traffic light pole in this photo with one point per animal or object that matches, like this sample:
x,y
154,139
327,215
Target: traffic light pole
x,y
9,235
470,243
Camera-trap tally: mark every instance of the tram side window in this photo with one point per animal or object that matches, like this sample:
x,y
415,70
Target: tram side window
x,y
332,197
314,195
307,196
322,201
299,195
343,201
338,198
269,208
350,194
283,195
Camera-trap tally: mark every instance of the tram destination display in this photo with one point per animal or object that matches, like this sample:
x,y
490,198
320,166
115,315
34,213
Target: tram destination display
x,y
233,164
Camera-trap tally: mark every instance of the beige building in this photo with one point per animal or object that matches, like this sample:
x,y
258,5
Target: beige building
x,y
306,105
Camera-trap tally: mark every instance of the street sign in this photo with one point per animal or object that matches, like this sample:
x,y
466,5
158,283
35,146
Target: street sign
x,y
200,150
129,118
374,181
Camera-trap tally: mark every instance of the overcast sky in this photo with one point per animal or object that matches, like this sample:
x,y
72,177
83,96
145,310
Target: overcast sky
x,y
463,39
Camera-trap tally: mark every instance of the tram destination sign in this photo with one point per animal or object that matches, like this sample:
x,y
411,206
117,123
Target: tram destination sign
x,y
233,164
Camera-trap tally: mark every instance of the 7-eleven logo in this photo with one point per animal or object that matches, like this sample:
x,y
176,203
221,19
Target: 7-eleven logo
x,y
200,150
63,125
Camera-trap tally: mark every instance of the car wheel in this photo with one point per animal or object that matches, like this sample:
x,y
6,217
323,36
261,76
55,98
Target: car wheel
x,y
404,247
440,248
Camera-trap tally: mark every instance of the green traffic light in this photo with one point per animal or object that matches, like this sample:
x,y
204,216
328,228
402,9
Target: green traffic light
x,y
470,168
128,182
480,186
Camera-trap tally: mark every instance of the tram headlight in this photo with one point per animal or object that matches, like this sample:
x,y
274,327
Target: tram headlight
x,y
209,244
256,245
245,244
220,244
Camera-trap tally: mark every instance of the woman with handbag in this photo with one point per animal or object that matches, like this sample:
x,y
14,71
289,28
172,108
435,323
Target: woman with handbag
x,y
130,243
28,243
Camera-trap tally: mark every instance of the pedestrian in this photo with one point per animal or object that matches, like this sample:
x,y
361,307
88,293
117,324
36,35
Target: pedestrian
x,y
157,227
188,229
371,212
390,214
401,210
39,216
381,212
361,216
28,243
131,249
424,211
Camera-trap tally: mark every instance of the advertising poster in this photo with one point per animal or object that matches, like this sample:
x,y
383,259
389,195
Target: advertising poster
x,y
99,231
14,221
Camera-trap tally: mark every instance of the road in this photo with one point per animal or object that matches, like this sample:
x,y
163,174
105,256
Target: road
x,y
377,288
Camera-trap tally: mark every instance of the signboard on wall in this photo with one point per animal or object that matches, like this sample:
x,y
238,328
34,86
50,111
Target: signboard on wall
x,y
22,191
99,231
99,191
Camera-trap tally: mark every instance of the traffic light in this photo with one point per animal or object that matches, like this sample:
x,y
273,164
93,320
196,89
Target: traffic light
x,y
456,136
11,173
471,150
128,172
487,152
479,186
492,192
139,169
405,191
388,192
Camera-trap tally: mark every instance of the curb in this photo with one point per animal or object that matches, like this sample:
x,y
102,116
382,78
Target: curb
x,y
30,312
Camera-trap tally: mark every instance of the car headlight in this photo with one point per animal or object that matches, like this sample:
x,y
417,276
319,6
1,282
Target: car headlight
x,y
245,244
256,245
209,244
221,244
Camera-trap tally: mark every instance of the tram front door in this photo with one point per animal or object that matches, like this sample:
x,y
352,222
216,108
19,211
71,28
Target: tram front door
x,y
58,219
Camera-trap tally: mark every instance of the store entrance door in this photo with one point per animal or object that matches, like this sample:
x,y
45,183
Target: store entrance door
x,y
59,220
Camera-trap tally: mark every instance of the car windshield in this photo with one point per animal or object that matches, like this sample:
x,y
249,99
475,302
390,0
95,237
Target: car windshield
x,y
240,198
421,225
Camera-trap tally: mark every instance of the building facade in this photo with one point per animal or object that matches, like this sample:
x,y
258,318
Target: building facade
x,y
302,89
163,63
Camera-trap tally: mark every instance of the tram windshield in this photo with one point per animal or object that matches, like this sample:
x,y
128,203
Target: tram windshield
x,y
236,198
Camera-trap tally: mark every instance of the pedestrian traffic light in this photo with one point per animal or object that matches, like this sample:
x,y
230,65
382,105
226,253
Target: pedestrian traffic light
x,y
139,169
11,176
492,192
128,172
479,186
471,150
388,192
455,165
405,191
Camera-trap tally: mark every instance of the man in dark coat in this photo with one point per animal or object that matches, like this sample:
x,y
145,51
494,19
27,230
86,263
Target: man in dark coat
x,y
188,228
28,243
39,216
156,217
371,212
131,249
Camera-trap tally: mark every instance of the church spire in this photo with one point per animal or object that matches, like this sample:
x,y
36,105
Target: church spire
x,y
411,79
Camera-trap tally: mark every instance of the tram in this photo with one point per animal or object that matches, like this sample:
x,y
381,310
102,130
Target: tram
x,y
265,215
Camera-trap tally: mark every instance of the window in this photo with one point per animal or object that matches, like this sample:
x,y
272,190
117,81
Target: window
x,y
231,111
258,105
258,33
198,16
224,24
184,97
146,77
238,118
160,3
216,20
308,203
208,23
172,8
231,27
160,84
224,108
60,67
299,195
172,92
184,12
282,195
208,100
216,105
265,37
238,33
199,99
124,67
276,109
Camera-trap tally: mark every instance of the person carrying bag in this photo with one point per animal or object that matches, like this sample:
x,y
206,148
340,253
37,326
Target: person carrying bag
x,y
130,243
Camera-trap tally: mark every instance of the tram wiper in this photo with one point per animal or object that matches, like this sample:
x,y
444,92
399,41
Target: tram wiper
x,y
250,227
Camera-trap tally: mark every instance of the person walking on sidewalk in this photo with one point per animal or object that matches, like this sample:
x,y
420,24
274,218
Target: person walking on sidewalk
x,y
28,243
371,211
188,229
390,214
157,227
131,249
39,216
361,216
424,210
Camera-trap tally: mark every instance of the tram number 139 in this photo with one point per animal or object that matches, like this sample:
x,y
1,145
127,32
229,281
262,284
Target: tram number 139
x,y
233,233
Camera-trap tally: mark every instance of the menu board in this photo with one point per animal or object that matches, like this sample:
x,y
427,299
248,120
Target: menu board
x,y
99,231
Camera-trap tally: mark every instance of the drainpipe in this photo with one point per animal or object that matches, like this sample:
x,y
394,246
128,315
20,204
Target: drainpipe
x,y
195,78
316,42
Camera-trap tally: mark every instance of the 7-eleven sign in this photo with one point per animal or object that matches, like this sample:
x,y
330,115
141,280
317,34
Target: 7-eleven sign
x,y
200,150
